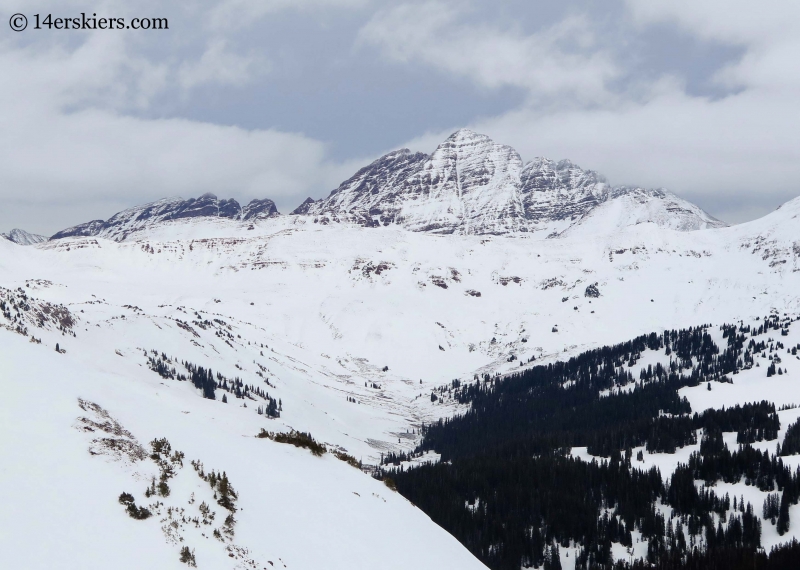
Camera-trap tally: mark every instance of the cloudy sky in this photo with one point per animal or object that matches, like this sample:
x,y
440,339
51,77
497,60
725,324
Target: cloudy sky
x,y
286,98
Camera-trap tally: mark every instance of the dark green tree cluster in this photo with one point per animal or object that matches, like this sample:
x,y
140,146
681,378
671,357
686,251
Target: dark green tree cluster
x,y
508,489
203,380
168,461
138,513
296,438
187,557
791,441
784,557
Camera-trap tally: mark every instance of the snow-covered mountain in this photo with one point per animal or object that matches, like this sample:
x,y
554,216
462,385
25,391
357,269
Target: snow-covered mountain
x,y
22,237
349,329
472,185
124,223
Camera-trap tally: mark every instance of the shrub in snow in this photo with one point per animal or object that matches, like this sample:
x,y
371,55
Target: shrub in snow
x,y
296,438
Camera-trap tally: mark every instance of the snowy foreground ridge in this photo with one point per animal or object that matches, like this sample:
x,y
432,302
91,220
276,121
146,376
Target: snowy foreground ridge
x,y
335,329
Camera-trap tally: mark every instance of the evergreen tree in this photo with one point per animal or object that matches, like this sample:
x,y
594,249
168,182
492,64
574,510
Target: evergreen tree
x,y
783,515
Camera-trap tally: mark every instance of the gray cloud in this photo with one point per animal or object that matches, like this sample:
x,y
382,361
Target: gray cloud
x,y
562,60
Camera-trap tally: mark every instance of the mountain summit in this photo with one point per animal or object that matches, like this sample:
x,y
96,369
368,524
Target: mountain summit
x,y
21,237
472,185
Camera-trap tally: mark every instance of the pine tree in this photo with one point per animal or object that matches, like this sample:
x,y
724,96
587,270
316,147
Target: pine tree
x,y
783,515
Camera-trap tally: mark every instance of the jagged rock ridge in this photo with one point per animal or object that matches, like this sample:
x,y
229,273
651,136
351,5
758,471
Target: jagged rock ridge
x,y
119,226
472,185
21,237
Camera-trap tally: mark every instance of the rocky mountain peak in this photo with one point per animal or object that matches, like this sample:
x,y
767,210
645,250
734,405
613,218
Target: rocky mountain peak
x,y
21,237
304,207
473,185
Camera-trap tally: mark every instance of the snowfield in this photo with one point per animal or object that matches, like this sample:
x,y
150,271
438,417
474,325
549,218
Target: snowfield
x,y
60,507
350,328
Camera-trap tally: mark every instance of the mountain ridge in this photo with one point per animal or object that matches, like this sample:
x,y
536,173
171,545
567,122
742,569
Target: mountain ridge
x,y
123,223
469,185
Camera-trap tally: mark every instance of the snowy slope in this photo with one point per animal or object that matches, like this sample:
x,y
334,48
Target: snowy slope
x,y
632,206
62,477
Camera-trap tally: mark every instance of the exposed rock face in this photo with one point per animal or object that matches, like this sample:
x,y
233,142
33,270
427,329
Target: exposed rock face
x,y
560,190
472,185
374,194
258,209
304,207
21,237
462,187
469,184
120,225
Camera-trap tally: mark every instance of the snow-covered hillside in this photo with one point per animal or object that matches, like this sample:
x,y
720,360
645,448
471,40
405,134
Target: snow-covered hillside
x,y
349,328
76,435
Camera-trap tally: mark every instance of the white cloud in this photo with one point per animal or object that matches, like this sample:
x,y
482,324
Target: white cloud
x,y
562,60
102,71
